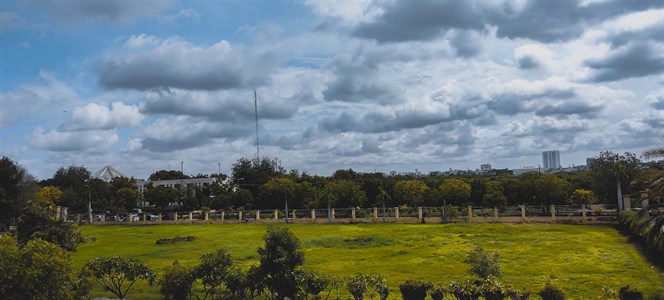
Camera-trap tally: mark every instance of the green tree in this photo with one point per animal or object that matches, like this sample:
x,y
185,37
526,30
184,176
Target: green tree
x,y
161,196
38,220
14,184
279,259
610,170
213,271
410,192
494,197
345,193
276,192
251,174
176,282
455,191
483,264
653,153
126,199
73,183
167,175
117,275
40,270
581,196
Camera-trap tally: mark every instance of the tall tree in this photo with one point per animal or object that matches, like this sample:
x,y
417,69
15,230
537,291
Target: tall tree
x,y
167,175
494,197
275,192
15,185
410,192
455,191
278,260
252,174
609,169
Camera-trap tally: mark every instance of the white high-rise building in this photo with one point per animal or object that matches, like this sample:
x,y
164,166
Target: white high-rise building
x,y
551,159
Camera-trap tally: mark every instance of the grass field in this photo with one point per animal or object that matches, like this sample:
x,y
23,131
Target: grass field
x,y
582,259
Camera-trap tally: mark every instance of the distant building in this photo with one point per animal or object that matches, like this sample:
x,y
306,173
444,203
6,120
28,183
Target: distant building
x,y
524,170
175,183
589,161
485,167
107,173
551,160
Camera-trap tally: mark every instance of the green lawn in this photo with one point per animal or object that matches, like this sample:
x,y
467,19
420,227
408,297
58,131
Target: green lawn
x,y
582,259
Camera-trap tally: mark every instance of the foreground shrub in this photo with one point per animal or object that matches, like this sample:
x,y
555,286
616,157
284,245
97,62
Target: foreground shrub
x,y
517,295
278,260
213,271
551,292
312,283
482,263
117,275
378,285
492,289
629,293
437,292
465,290
176,283
414,289
357,285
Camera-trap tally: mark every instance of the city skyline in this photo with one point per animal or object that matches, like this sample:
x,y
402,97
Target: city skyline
x,y
367,85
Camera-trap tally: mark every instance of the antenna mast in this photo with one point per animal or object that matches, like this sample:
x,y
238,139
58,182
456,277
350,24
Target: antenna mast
x,y
258,156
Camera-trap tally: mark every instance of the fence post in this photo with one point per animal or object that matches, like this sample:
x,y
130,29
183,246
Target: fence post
x,y
258,215
523,212
375,209
239,216
175,216
470,214
583,213
293,214
313,215
627,202
352,215
495,213
131,217
396,212
419,214
191,216
57,213
207,216
104,217
333,214
553,213
276,214
78,218
145,217
223,214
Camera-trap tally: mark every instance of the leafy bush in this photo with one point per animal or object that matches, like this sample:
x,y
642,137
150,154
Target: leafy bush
x,y
378,285
176,239
551,292
278,260
414,289
492,289
483,264
213,270
437,292
117,275
465,290
629,293
176,282
357,285
517,295
312,283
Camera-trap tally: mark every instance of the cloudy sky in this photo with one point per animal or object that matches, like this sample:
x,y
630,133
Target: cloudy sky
x,y
368,85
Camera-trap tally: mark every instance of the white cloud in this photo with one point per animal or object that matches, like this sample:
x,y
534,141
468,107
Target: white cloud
x,y
99,117
95,141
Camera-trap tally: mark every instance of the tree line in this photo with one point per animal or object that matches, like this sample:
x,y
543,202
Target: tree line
x,y
265,184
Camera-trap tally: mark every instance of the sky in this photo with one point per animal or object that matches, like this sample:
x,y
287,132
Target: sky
x,y
370,85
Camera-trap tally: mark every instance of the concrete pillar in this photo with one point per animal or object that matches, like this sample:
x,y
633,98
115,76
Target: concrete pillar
x,y
333,214
207,215
396,212
103,217
293,214
191,216
375,209
64,214
313,215
145,217
223,214
470,213
352,214
523,212
644,199
175,216
276,214
239,216
419,214
57,213
78,218
495,213
258,215
553,213
583,212
159,217
645,203
627,202
131,217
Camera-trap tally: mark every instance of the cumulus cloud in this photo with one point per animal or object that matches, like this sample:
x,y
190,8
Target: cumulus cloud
x,y
94,141
533,56
656,101
99,117
221,105
176,63
635,59
102,10
177,133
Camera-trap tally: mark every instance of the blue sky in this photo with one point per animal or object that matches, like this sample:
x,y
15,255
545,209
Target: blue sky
x,y
368,85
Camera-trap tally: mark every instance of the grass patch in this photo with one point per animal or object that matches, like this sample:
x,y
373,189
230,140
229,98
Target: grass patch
x,y
176,239
581,258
